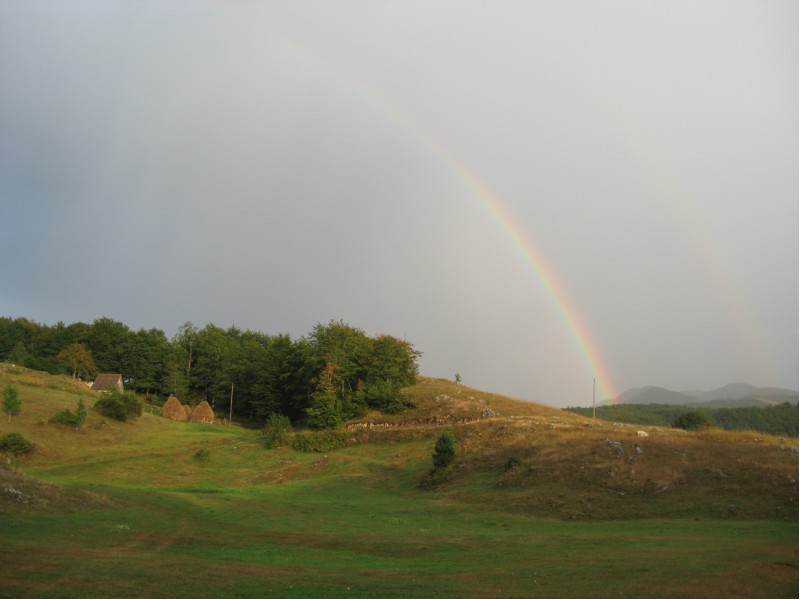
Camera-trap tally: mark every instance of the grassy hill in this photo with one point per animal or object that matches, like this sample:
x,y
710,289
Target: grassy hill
x,y
539,502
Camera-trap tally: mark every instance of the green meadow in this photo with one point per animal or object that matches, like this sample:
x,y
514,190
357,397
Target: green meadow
x,y
126,510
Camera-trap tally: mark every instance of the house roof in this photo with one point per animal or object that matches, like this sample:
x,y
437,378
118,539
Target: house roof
x,y
106,380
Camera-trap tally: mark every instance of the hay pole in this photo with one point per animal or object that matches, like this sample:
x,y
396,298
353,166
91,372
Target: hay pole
x,y
230,414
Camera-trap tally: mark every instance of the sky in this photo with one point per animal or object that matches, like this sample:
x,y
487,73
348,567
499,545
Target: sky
x,y
552,199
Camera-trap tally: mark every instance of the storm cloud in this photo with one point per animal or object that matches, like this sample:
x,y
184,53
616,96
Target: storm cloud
x,y
274,165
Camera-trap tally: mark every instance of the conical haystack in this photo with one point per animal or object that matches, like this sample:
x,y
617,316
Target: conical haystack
x,y
188,410
202,413
173,409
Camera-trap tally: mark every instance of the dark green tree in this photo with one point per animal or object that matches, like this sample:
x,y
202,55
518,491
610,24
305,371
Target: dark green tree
x,y
444,452
275,380
385,395
108,341
692,420
19,355
343,346
145,360
18,339
183,342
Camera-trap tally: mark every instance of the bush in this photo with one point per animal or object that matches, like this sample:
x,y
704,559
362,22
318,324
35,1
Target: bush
x,y
202,455
444,452
693,420
119,405
14,443
435,478
277,431
386,396
324,441
511,463
67,417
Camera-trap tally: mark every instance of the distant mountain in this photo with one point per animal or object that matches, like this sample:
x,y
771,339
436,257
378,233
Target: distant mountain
x,y
655,395
732,391
733,395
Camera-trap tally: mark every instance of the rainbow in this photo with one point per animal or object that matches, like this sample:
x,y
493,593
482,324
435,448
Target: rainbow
x,y
490,202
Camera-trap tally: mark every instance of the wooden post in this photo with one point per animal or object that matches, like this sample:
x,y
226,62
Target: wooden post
x,y
594,413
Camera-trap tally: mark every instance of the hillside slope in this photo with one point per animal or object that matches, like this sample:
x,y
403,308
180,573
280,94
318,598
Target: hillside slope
x,y
539,503
511,455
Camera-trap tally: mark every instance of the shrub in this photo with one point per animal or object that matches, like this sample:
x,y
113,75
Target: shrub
x,y
444,452
277,430
67,417
202,455
119,405
323,441
435,478
511,463
14,443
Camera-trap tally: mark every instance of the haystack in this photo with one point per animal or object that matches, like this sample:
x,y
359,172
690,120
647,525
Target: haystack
x,y
188,410
173,409
202,413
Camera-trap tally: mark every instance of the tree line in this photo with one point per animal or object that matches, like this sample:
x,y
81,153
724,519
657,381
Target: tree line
x,y
334,373
780,419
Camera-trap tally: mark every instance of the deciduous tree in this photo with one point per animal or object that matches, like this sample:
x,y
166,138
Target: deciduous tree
x,y
11,402
77,359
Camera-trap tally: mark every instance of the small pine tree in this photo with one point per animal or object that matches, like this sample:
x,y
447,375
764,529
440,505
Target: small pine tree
x,y
444,452
80,412
11,401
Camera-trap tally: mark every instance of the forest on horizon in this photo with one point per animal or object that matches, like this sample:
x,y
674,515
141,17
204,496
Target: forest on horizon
x,y
334,373
780,419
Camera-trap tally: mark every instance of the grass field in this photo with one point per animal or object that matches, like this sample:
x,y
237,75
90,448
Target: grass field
x,y
125,510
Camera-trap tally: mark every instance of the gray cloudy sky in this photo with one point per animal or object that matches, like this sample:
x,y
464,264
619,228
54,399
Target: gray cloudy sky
x,y
278,164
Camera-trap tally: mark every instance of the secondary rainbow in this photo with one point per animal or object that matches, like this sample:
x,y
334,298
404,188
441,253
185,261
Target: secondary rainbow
x,y
596,368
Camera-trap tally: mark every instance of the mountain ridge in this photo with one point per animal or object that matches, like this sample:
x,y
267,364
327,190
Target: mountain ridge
x,y
731,395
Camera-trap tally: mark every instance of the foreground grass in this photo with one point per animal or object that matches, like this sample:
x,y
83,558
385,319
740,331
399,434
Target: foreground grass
x,y
332,537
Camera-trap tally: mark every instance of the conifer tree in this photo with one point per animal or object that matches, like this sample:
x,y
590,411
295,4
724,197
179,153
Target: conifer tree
x,y
444,452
